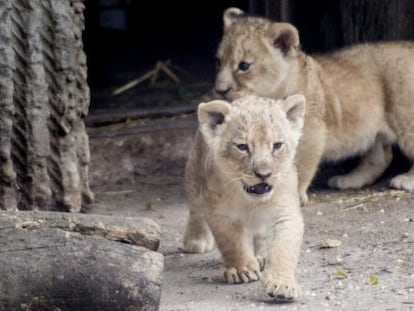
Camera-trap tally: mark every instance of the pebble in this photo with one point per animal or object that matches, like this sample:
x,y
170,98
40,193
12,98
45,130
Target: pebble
x,y
312,294
336,261
400,292
339,285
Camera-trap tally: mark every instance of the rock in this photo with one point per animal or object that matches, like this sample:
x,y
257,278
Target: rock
x,y
56,261
138,231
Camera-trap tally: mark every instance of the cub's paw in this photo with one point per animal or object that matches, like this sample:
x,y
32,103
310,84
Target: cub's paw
x,y
249,273
403,181
280,288
200,246
345,182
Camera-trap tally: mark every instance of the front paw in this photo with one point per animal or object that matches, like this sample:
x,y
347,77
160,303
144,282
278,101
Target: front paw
x,y
403,181
344,182
281,288
200,245
244,274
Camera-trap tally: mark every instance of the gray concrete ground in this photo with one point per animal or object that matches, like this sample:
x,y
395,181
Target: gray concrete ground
x,y
372,269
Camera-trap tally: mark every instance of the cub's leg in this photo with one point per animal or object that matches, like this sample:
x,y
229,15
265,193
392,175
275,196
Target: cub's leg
x,y
309,155
401,114
406,143
279,278
372,165
261,248
239,263
198,237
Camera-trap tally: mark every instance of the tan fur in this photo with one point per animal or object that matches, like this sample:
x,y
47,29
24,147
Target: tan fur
x,y
250,229
360,100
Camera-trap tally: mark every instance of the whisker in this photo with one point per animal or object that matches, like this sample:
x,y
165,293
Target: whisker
x,y
231,187
230,191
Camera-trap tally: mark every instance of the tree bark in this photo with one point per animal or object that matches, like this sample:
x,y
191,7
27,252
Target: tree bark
x,y
132,230
58,261
44,97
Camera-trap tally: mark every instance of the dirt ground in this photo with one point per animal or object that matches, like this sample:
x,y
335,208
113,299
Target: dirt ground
x,y
139,173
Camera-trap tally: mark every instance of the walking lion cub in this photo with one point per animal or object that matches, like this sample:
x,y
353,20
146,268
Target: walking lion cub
x,y
241,184
360,100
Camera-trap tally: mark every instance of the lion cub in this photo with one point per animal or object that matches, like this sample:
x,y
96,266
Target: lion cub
x,y
241,184
360,100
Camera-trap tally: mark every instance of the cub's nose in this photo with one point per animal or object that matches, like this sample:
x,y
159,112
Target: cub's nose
x,y
263,176
223,92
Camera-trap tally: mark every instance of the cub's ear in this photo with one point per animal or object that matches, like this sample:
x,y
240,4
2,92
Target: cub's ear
x,y
295,106
231,15
212,117
285,37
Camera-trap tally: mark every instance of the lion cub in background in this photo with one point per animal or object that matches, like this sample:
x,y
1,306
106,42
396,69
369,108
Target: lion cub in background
x,y
241,184
360,100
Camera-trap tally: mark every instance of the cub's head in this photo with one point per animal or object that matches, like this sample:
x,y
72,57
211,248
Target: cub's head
x,y
252,142
255,56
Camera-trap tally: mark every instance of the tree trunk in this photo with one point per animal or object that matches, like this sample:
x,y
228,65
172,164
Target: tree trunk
x,y
44,97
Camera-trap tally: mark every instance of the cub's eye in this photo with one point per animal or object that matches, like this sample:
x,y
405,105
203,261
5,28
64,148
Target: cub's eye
x,y
242,147
277,146
243,66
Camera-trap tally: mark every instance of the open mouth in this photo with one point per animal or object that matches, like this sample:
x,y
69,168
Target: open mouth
x,y
258,189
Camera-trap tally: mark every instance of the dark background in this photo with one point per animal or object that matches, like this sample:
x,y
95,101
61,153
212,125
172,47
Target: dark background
x,y
185,32
188,33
